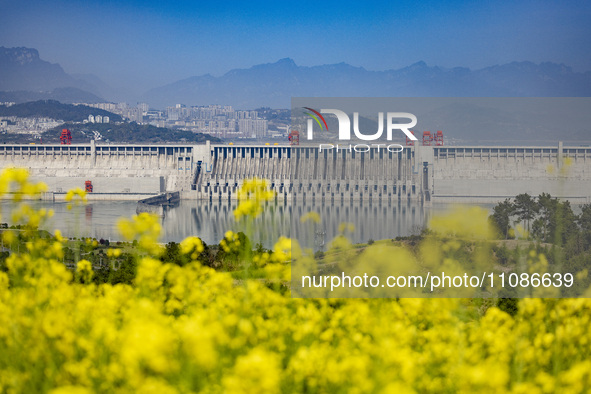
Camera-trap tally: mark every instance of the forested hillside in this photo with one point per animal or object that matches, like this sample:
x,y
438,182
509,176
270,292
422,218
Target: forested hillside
x,y
55,110
126,132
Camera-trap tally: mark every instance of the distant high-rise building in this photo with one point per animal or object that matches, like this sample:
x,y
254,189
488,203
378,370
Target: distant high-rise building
x,y
106,106
90,119
252,128
144,107
136,115
172,113
106,119
98,119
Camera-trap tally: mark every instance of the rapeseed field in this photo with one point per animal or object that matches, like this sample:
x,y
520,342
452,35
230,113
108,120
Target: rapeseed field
x,y
192,329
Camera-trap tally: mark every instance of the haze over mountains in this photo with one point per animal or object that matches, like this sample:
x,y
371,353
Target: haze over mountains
x,y
28,78
24,76
274,84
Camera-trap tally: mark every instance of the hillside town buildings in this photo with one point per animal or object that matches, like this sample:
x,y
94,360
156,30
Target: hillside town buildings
x,y
221,121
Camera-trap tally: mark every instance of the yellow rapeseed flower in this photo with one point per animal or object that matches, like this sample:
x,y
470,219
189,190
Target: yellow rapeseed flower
x,y
312,216
191,244
75,196
251,197
143,227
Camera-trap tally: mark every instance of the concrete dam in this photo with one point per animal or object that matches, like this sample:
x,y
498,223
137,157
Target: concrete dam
x,y
420,173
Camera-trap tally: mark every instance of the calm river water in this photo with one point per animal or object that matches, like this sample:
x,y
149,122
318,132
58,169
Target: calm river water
x,y
210,220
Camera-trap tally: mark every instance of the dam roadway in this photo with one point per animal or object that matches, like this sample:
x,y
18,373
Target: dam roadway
x,y
472,174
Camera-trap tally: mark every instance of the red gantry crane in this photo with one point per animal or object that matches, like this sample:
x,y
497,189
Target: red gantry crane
x,y
66,137
294,137
439,138
427,138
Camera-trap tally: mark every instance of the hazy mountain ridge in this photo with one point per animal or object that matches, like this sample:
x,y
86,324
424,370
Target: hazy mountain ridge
x,y
21,69
24,76
63,95
273,84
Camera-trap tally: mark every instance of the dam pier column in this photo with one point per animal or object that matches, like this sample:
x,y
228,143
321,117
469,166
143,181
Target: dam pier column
x,y
92,153
424,158
559,156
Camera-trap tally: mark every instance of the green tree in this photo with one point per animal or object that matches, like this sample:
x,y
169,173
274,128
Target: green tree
x,y
3,257
526,208
501,216
234,253
584,221
172,254
547,208
563,224
126,271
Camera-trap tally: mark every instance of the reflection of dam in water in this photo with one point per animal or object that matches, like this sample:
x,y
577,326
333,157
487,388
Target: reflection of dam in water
x,y
370,220
209,220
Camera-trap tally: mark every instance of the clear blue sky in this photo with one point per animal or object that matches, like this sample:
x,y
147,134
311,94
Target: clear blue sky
x,y
143,44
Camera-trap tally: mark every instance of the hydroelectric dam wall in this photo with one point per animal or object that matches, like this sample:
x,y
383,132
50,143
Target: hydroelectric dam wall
x,y
423,173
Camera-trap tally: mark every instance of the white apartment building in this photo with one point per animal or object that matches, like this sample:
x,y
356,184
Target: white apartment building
x,y
252,128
